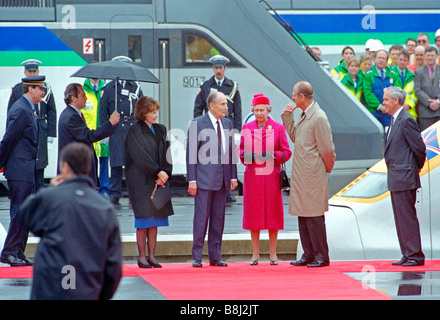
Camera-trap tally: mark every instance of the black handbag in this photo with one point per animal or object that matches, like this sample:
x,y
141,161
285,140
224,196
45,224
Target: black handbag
x,y
160,196
285,183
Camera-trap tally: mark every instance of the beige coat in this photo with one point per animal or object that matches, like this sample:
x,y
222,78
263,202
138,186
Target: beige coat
x,y
313,157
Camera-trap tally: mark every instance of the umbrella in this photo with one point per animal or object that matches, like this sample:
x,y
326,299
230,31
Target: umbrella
x,y
116,70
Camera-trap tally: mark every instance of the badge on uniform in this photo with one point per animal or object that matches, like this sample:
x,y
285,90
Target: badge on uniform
x,y
213,90
125,92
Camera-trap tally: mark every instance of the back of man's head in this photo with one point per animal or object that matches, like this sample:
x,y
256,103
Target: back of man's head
x,y
78,156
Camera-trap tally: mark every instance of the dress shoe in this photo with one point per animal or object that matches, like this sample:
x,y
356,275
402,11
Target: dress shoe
x,y
143,265
218,263
28,261
13,261
230,199
300,263
255,262
274,262
317,264
153,264
197,263
400,262
412,263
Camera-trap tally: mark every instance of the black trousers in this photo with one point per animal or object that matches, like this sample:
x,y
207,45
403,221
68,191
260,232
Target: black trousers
x,y
407,224
313,238
16,239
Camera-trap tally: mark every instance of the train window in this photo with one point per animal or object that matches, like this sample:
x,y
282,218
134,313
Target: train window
x,y
198,49
135,48
371,186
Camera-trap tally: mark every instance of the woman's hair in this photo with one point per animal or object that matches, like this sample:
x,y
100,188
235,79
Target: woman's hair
x,y
355,61
143,106
348,47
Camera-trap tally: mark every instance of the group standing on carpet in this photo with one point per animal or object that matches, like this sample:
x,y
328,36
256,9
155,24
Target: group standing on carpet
x,y
61,214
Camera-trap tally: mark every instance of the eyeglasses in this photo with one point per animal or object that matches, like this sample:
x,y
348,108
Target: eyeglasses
x,y
421,41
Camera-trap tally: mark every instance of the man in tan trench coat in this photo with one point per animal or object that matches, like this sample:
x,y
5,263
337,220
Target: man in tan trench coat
x,y
313,157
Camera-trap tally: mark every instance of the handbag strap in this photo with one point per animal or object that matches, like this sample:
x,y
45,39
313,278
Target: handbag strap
x,y
154,190
283,164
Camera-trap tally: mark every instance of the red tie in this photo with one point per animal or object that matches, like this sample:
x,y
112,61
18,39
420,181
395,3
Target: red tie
x,y
82,116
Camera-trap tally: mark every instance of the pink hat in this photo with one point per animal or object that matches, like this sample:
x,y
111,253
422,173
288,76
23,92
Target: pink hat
x,y
260,99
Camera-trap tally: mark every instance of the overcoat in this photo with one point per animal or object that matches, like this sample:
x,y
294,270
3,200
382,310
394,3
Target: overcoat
x,y
79,256
313,157
262,196
145,157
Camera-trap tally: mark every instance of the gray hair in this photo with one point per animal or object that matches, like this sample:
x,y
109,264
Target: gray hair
x,y
268,107
397,92
212,97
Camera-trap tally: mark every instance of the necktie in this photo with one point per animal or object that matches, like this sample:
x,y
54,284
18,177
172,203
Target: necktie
x,y
389,128
219,84
382,72
82,116
402,76
219,135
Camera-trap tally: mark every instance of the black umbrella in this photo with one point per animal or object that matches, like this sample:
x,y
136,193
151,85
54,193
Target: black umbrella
x,y
116,69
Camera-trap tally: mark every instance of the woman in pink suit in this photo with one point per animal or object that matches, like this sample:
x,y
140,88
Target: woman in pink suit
x,y
263,145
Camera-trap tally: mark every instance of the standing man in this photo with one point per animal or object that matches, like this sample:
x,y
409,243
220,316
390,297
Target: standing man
x,y
58,215
218,82
313,157
18,154
72,125
211,173
128,94
46,117
94,89
427,89
379,77
406,82
405,154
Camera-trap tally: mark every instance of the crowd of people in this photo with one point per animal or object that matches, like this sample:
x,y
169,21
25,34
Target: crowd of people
x,y
94,127
413,67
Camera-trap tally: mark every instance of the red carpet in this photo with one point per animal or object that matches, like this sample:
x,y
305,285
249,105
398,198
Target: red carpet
x,y
240,281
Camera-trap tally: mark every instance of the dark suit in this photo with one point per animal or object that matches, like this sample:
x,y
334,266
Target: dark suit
x,y
72,128
405,154
213,171
18,153
47,126
425,88
234,106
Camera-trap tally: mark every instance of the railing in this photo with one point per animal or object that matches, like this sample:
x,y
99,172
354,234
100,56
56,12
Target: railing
x,y
27,3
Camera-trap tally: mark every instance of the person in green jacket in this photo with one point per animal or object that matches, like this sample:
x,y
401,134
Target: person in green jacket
x,y
353,80
93,89
406,82
341,69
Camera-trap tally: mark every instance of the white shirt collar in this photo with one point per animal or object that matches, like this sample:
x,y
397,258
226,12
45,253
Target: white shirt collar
x,y
305,111
396,114
221,81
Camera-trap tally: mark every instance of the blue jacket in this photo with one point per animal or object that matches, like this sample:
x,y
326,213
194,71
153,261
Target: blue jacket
x,y
18,149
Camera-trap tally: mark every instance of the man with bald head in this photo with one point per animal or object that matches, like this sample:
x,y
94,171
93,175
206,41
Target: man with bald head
x,y
313,157
419,59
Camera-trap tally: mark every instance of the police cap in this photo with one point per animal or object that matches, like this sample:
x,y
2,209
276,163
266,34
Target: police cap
x,y
219,60
34,81
31,64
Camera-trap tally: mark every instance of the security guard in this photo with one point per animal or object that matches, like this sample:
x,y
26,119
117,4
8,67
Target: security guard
x,y
218,82
128,93
46,117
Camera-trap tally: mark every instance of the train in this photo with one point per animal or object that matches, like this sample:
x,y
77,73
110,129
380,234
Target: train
x,y
174,38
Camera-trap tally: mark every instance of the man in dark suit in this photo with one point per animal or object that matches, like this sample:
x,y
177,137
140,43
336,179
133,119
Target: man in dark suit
x,y
211,173
72,125
405,154
219,82
46,118
18,153
427,89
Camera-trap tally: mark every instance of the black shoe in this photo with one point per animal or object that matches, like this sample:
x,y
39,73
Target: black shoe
x,y
412,263
255,262
143,265
230,199
28,261
400,262
197,263
300,263
317,264
218,263
154,264
13,261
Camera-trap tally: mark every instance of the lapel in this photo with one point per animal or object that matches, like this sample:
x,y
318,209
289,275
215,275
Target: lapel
x,y
394,128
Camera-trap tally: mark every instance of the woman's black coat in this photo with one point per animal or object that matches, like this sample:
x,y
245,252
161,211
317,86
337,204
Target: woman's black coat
x,y
145,157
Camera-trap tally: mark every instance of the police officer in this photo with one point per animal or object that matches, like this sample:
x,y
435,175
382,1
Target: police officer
x,y
218,82
46,117
128,93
